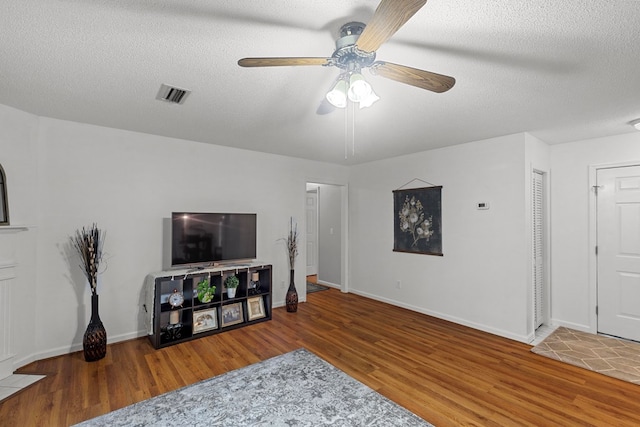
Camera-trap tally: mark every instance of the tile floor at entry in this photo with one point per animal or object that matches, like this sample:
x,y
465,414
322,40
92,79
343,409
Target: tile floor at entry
x,y
16,382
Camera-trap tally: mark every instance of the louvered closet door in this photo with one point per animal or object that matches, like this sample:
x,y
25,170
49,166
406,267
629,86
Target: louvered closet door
x,y
537,199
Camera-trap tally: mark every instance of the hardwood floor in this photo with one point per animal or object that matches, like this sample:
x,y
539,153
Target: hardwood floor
x,y
447,374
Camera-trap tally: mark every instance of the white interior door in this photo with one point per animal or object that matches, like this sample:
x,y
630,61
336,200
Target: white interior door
x,y
618,235
312,232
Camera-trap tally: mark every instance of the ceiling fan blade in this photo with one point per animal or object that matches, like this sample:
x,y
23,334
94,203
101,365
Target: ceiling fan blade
x,y
413,76
387,19
280,62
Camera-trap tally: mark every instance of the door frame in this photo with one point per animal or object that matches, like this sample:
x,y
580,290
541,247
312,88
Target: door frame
x,y
316,245
344,224
593,237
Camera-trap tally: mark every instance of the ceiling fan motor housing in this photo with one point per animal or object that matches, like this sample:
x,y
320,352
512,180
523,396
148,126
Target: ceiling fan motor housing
x,y
347,56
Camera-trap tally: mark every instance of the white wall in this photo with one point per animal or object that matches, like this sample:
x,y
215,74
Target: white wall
x,y
481,280
63,175
128,182
573,281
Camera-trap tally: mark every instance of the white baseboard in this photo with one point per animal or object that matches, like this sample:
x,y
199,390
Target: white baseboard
x,y
329,284
59,351
459,321
575,326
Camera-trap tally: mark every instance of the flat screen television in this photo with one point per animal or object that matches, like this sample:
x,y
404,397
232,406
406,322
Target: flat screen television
x,y
202,239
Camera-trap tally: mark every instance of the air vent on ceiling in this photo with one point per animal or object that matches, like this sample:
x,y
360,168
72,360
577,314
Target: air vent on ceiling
x,y
172,94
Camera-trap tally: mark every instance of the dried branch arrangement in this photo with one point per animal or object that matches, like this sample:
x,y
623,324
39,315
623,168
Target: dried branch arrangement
x,y
88,242
292,243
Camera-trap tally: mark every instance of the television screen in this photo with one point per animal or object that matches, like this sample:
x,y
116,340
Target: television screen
x,y
208,238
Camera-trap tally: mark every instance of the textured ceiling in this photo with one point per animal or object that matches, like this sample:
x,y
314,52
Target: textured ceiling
x,y
561,70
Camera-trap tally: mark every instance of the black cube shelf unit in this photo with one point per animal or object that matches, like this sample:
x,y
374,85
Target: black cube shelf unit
x,y
169,325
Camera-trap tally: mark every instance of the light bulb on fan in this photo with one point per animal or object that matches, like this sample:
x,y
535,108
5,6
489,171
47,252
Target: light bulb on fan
x,y
338,95
369,100
359,89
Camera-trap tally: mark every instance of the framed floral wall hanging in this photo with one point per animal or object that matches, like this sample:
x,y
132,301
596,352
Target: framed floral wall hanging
x,y
417,224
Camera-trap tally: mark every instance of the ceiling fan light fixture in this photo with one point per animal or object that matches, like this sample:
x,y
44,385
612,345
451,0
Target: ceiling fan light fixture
x,y
338,95
369,100
359,88
635,123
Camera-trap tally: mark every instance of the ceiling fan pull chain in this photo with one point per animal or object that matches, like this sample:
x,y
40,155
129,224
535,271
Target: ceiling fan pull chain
x,y
353,128
346,133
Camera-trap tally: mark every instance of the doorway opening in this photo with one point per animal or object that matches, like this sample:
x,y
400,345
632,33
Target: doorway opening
x,y
326,231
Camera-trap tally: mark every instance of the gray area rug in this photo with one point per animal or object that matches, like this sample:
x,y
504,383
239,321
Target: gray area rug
x,y
294,389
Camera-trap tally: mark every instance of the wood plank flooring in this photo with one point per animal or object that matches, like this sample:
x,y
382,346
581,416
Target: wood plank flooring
x,y
447,374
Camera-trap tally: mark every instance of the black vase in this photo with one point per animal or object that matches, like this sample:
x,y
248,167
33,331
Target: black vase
x,y
94,342
292,295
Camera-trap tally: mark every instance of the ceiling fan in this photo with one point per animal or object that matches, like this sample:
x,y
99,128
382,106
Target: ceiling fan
x,y
356,50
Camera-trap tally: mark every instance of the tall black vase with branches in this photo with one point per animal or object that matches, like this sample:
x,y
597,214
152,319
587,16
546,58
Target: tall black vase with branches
x,y
291,298
88,242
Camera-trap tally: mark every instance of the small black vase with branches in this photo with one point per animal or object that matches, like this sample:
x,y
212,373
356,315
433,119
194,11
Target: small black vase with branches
x,y
291,298
94,341
292,294
88,242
